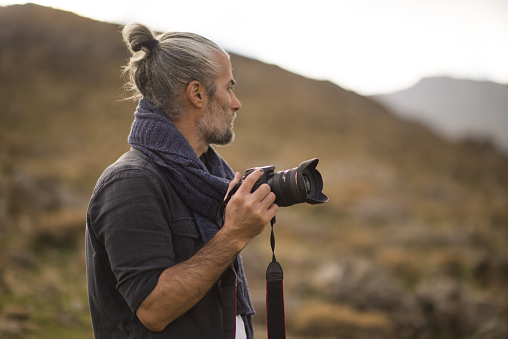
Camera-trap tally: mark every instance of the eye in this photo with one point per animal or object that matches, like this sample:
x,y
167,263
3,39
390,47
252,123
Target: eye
x,y
231,86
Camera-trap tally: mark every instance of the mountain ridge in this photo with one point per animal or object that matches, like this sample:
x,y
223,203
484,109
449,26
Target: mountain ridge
x,y
455,108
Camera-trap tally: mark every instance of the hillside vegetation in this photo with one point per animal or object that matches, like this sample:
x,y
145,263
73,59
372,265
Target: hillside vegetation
x,y
412,244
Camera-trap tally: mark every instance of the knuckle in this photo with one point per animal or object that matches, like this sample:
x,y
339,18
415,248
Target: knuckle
x,y
249,206
263,190
266,188
254,176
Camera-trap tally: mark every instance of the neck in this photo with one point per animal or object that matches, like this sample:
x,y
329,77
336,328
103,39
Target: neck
x,y
189,132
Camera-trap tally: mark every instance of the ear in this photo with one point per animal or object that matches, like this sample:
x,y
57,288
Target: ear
x,y
196,93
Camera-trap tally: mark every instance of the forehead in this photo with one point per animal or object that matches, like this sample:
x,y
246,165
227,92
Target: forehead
x,y
226,68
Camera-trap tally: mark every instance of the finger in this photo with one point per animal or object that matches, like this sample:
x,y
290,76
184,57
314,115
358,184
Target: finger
x,y
261,192
236,180
272,211
251,179
270,198
267,200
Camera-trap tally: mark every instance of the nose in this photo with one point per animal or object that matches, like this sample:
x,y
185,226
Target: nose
x,y
235,103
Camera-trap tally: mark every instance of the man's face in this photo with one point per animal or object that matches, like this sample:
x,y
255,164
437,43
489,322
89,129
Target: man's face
x,y
216,124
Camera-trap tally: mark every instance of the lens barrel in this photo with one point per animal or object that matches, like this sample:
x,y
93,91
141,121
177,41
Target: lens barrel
x,y
293,186
297,185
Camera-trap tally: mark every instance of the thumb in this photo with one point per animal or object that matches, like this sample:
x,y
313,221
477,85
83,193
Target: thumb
x,y
236,180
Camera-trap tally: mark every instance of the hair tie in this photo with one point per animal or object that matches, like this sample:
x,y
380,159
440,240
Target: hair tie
x,y
154,43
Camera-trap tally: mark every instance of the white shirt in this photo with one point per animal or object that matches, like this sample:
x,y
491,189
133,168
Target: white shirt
x,y
240,328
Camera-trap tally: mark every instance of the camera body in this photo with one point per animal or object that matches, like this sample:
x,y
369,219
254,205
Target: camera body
x,y
267,174
292,186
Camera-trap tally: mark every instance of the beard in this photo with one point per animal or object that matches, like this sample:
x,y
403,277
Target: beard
x,y
216,125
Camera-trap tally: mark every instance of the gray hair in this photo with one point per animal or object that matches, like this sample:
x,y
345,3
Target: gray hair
x,y
161,71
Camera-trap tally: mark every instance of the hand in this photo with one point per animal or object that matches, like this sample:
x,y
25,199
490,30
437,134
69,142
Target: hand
x,y
247,214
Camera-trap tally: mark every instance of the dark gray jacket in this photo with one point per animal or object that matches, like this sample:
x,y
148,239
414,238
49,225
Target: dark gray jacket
x,y
137,226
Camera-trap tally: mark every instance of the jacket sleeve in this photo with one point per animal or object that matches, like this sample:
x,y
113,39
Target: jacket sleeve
x,y
129,216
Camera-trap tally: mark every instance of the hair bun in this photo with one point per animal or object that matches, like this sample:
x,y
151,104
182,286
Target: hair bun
x,y
136,36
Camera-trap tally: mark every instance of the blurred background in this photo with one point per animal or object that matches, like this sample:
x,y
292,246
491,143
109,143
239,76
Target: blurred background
x,y
405,103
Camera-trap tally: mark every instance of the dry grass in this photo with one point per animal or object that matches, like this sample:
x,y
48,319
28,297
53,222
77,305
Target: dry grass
x,y
337,321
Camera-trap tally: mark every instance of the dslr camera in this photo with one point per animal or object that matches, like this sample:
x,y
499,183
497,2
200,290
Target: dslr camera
x,y
292,186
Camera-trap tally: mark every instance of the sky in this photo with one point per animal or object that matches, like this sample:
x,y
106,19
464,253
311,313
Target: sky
x,y
367,46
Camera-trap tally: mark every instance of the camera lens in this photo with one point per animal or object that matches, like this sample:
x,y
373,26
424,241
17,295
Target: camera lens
x,y
307,183
294,186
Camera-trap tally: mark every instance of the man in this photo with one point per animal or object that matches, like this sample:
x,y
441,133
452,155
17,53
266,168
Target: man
x,y
160,256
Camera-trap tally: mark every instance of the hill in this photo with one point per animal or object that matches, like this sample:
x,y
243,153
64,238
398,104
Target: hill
x,y
457,109
413,243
